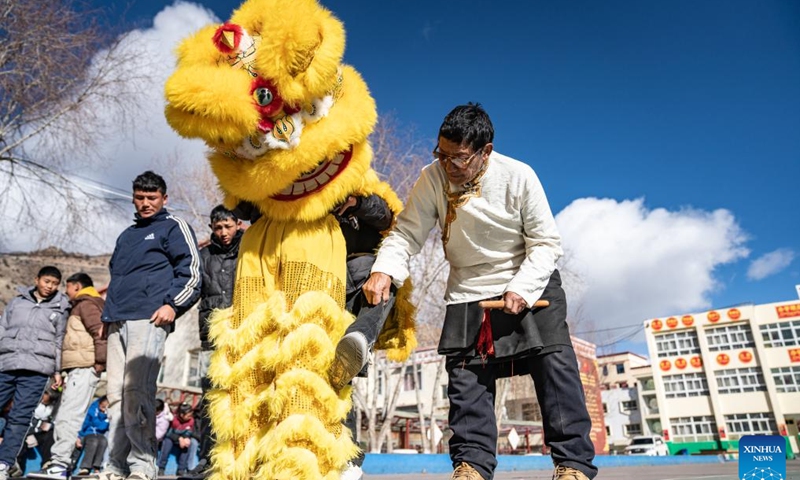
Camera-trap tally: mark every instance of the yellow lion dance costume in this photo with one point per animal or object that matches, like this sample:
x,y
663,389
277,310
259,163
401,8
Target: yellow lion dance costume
x,y
287,127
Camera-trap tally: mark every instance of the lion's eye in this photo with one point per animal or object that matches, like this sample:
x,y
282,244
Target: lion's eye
x,y
263,96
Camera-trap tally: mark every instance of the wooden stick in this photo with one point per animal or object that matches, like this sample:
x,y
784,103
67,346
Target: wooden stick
x,y
499,304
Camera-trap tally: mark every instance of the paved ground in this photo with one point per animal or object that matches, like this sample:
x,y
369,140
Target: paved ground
x,y
713,471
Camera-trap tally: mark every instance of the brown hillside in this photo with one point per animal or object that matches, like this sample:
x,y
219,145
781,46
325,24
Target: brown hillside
x,y
17,269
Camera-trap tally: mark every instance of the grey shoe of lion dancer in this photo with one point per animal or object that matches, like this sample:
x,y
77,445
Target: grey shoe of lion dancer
x,y
351,356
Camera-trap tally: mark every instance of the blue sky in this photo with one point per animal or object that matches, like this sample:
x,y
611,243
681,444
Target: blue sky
x,y
687,109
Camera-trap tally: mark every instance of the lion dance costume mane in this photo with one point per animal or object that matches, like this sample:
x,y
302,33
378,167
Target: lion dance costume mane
x,y
287,127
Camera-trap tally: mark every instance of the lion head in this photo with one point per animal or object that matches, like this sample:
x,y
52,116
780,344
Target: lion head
x,y
286,122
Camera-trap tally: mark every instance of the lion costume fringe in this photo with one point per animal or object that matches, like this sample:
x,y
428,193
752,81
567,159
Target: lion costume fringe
x,y
287,127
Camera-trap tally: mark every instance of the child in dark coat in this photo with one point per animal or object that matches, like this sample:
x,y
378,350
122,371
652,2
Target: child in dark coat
x,y
181,435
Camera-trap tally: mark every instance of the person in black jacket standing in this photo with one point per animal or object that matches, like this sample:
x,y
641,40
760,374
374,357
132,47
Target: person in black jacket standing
x,y
155,278
218,267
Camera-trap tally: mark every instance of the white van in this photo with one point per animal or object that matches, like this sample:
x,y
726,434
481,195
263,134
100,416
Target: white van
x,y
652,445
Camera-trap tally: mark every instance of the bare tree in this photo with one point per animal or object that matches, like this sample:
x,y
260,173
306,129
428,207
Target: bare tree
x,y
64,81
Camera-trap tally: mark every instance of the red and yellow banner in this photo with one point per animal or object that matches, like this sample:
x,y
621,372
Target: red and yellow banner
x,y
788,311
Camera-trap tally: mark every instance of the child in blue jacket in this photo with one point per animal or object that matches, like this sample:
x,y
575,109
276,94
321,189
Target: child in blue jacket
x,y
92,437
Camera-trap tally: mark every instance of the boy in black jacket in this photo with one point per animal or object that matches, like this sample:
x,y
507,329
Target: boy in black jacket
x,y
218,267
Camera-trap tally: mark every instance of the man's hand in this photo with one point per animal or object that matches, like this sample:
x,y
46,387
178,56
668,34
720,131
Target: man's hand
x,y
163,316
58,382
78,444
376,290
350,202
514,303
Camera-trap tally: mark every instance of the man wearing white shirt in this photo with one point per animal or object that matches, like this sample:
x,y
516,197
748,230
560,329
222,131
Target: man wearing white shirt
x,y
501,241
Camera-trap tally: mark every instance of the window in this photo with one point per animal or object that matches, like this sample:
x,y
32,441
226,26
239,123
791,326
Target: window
x,y
443,391
620,368
531,412
196,366
380,385
729,337
608,431
693,429
784,334
685,385
408,379
605,370
787,379
633,429
739,380
605,407
648,384
629,405
677,343
161,371
751,424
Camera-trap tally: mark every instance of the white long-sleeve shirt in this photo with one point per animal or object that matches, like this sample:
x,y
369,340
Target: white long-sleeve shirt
x,y
504,240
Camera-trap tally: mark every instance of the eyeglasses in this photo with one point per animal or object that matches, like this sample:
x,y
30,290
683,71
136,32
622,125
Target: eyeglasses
x,y
459,162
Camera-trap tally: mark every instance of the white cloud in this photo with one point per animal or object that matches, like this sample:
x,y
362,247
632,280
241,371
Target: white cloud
x,y
770,264
152,141
626,263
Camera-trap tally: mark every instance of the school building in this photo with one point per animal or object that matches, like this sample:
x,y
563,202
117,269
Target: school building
x,y
721,374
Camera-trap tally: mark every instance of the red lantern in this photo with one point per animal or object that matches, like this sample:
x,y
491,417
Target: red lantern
x,y
723,359
665,365
680,363
713,316
687,320
734,314
656,324
745,356
672,322
696,362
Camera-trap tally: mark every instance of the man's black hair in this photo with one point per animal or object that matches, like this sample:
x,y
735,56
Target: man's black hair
x,y
220,213
83,278
150,182
49,271
468,124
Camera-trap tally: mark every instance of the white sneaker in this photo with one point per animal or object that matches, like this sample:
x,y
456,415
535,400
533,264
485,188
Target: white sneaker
x,y
350,358
3,471
352,472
